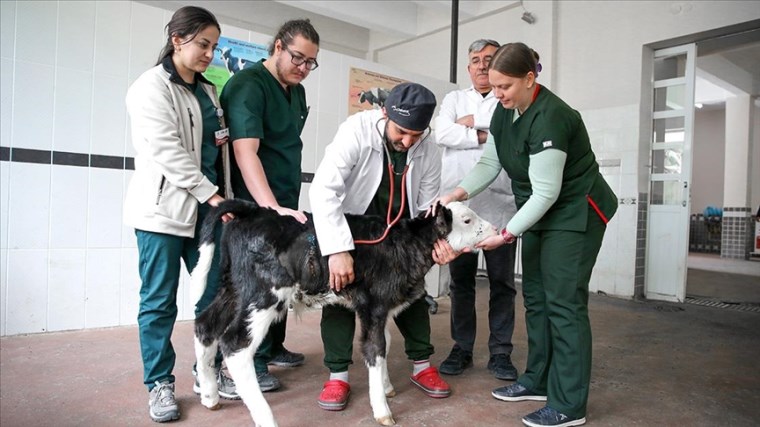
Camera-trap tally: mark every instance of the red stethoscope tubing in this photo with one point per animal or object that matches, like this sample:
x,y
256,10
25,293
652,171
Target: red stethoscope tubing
x,y
388,221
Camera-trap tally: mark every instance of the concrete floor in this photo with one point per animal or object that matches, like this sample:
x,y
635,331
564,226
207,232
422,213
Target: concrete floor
x,y
655,364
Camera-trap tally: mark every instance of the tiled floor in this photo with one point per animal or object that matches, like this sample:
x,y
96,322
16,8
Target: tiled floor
x,y
655,364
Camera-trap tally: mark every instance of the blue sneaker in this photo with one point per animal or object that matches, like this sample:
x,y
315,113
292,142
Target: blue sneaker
x,y
516,393
547,416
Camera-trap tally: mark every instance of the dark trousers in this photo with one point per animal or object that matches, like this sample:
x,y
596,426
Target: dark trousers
x,y
160,257
500,264
339,323
557,268
271,345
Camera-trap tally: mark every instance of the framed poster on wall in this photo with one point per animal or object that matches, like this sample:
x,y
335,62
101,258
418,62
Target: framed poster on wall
x,y
367,89
231,56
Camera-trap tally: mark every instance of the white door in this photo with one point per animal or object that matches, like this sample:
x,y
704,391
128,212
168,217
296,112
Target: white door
x,y
670,172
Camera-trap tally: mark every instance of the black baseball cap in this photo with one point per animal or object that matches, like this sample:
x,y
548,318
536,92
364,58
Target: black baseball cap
x,y
411,106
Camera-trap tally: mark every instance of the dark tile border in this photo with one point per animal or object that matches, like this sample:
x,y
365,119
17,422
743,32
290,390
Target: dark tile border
x,y
106,162
70,159
28,155
64,158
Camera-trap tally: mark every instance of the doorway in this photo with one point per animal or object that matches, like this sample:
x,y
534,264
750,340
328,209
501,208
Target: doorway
x,y
677,180
727,67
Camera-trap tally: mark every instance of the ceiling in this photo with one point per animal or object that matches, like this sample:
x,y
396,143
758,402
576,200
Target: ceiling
x,y
727,65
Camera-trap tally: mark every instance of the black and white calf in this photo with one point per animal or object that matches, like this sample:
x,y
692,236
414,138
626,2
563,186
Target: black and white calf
x,y
269,261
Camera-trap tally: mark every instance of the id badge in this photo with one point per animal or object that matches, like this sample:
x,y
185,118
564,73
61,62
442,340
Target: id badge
x,y
221,136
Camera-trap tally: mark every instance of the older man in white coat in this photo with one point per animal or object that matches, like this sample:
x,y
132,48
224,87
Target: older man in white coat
x,y
375,159
462,129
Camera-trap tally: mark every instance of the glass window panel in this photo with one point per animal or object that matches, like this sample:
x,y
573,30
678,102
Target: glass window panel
x,y
667,160
670,67
666,193
668,130
669,98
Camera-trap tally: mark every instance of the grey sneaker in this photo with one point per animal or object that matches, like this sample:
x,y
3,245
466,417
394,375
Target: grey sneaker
x,y
267,381
161,403
224,383
287,359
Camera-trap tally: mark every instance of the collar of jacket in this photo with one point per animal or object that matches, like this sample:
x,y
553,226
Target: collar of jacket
x,y
174,77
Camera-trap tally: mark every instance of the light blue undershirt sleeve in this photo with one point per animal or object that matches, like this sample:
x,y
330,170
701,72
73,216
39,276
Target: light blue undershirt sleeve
x,y
484,172
545,173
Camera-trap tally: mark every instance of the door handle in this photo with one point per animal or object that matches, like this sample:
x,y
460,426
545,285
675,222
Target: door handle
x,y
685,194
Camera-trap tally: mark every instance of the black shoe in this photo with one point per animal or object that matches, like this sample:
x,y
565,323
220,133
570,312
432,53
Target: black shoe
x,y
267,381
457,361
547,416
287,359
515,393
500,365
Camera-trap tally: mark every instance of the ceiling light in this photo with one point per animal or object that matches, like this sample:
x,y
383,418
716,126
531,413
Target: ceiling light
x,y
698,105
527,16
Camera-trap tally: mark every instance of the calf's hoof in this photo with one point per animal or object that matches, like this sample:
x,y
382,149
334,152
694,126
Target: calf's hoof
x,y
386,420
210,403
215,407
390,393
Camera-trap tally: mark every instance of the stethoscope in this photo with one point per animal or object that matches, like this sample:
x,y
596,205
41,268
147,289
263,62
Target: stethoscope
x,y
391,174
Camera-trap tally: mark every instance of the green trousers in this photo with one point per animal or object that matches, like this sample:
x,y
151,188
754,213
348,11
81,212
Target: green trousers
x,y
557,268
271,345
160,257
339,323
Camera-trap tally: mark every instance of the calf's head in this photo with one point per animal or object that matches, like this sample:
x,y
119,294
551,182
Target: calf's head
x,y
467,228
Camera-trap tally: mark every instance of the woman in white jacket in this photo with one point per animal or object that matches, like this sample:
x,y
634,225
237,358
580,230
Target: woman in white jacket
x,y
179,134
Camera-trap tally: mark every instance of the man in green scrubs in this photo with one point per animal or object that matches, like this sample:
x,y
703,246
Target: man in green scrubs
x,y
266,110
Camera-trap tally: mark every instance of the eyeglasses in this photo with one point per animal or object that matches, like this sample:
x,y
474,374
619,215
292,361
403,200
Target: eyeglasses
x,y
298,60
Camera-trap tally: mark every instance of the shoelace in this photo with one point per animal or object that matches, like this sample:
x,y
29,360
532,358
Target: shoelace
x,y
165,394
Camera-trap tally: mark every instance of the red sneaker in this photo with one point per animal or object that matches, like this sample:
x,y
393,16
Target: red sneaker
x,y
431,383
334,395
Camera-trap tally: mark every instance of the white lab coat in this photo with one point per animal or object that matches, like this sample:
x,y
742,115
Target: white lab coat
x,y
461,152
350,173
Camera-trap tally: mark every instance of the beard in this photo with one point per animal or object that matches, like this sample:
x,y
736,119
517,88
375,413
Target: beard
x,y
281,67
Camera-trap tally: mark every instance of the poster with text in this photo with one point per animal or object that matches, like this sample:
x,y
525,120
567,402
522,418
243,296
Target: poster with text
x,y
232,56
367,90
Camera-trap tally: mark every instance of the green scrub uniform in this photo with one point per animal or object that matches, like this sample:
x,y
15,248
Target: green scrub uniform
x,y
339,323
560,250
160,256
257,106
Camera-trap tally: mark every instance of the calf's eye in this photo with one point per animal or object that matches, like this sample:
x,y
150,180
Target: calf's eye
x,y
467,220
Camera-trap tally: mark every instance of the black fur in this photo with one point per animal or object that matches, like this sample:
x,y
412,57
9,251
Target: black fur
x,y
261,250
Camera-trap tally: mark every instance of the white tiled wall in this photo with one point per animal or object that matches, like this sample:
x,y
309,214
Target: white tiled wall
x,y
614,133
66,259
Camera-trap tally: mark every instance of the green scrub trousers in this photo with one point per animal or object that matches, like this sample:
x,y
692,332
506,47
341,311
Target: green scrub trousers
x,y
557,268
339,323
160,256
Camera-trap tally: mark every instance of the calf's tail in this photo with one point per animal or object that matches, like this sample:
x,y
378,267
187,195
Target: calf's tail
x,y
199,276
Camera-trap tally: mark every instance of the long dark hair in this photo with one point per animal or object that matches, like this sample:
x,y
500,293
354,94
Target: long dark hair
x,y
515,60
186,21
291,29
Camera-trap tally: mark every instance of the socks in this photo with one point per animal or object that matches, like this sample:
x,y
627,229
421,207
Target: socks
x,y
343,376
420,365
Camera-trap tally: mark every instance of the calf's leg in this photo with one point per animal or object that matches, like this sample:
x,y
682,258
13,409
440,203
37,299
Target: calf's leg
x,y
240,365
374,350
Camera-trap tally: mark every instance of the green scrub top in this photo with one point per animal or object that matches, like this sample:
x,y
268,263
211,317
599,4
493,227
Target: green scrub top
x,y
257,106
210,123
549,123
379,203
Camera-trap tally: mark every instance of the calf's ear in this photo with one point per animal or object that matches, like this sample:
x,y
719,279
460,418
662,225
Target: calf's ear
x,y
442,220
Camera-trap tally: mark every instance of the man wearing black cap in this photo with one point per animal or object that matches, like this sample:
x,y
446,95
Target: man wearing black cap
x,y
353,178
